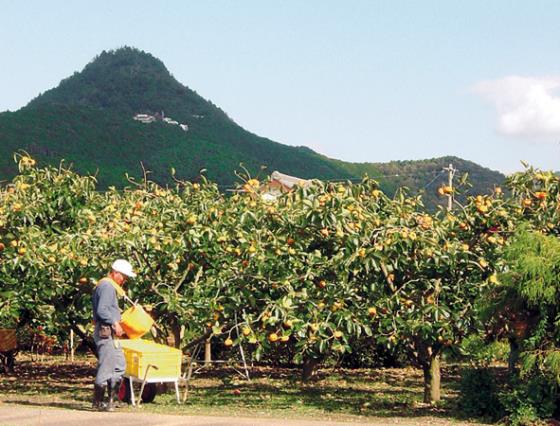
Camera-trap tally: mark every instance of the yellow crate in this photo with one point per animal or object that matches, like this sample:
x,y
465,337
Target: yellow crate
x,y
139,353
8,341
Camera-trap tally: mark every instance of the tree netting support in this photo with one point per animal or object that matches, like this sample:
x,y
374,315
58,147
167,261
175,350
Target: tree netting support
x,y
198,348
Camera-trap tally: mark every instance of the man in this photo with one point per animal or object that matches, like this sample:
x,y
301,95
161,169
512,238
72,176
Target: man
x,y
107,316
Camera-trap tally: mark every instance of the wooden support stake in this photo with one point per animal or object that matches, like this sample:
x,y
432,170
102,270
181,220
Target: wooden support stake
x,y
208,352
241,351
71,345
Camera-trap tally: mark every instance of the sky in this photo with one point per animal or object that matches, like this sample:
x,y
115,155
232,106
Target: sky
x,y
361,81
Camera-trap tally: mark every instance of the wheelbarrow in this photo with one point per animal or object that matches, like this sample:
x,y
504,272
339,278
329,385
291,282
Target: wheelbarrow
x,y
148,363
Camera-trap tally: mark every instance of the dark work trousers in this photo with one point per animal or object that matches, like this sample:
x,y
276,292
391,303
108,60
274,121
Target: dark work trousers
x,y
110,362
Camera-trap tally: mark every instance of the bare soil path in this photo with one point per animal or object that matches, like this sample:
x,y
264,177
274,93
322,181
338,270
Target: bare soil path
x,y
20,415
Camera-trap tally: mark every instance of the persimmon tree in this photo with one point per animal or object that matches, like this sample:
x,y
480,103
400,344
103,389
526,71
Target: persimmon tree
x,y
296,275
39,261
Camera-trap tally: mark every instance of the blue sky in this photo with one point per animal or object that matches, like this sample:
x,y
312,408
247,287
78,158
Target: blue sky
x,y
356,80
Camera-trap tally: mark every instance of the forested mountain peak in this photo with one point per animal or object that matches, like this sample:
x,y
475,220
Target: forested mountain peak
x,y
130,81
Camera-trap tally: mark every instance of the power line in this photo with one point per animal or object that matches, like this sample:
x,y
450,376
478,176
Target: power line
x,y
360,179
373,177
398,175
433,180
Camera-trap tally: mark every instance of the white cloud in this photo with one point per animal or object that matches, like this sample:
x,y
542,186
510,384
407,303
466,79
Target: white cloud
x,y
526,106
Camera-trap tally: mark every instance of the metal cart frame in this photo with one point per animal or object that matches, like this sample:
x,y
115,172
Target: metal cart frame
x,y
146,380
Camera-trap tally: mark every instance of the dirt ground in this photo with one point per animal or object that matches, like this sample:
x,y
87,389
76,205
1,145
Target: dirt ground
x,y
55,391
19,415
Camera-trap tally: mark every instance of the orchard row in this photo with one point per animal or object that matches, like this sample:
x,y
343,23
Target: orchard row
x,y
314,270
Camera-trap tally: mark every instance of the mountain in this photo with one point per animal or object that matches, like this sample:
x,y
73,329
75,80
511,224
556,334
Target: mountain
x,y
88,120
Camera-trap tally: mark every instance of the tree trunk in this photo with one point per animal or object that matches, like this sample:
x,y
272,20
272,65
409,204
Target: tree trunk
x,y
308,368
176,333
513,355
432,380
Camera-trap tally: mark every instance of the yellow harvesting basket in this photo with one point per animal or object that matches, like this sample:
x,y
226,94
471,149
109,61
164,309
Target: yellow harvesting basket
x,y
139,353
8,340
136,322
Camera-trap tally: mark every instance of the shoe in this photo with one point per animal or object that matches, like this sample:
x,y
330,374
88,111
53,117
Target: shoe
x,y
98,392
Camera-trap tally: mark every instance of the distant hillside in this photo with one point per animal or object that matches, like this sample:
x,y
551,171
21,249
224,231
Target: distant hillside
x,y
425,176
88,120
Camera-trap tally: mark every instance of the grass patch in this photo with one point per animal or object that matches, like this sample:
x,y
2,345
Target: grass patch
x,y
355,395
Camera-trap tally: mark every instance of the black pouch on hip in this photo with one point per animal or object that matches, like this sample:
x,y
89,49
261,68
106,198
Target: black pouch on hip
x,y
105,331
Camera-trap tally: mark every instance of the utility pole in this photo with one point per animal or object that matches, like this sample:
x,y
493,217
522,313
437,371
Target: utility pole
x,y
450,173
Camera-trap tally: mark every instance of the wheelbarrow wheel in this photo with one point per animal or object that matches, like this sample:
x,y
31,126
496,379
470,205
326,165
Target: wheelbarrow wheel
x,y
148,395
7,361
124,391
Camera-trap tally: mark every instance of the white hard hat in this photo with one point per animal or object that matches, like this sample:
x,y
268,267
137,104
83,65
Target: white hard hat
x,y
124,267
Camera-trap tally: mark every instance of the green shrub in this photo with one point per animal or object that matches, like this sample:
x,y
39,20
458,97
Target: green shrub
x,y
529,400
525,415
479,394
